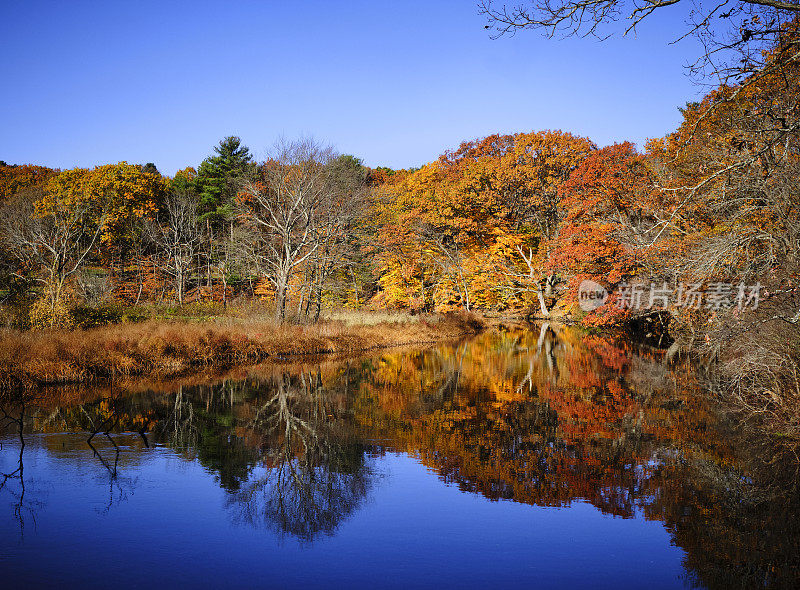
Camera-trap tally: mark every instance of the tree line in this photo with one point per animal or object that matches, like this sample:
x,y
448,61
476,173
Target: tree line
x,y
506,222
285,226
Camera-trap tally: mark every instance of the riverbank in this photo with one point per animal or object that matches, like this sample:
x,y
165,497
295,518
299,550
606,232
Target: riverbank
x,y
171,349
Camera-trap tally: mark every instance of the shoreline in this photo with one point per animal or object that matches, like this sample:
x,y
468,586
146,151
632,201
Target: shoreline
x,y
177,349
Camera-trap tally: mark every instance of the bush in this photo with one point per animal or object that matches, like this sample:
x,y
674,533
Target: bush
x,y
132,315
15,316
44,315
91,317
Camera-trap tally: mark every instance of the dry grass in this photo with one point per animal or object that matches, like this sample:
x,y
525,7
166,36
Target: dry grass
x,y
354,317
169,349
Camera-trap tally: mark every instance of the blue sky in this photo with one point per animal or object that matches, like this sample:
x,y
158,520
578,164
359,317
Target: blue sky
x,y
395,83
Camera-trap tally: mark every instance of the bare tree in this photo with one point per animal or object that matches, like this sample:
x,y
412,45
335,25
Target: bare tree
x,y
51,245
177,235
594,17
338,222
283,206
743,41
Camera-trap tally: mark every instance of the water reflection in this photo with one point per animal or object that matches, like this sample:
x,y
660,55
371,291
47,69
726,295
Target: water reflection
x,y
545,417
311,473
13,481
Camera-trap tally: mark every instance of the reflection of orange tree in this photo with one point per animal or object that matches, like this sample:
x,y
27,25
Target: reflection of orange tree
x,y
734,534
90,414
577,428
543,417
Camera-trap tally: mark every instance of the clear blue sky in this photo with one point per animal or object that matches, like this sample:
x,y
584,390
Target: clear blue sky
x,y
393,82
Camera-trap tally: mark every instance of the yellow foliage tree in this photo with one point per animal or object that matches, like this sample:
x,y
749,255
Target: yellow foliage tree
x,y
474,227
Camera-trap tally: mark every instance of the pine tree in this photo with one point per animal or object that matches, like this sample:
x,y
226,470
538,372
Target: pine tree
x,y
218,178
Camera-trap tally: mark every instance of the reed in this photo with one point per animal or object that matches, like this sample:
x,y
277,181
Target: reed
x,y
164,349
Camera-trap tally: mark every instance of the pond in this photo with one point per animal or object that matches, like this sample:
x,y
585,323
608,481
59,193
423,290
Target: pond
x,y
543,458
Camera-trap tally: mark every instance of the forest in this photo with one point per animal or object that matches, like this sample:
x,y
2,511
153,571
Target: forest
x,y
504,225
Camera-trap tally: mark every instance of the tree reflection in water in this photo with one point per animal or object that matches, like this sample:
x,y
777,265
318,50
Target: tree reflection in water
x,y
311,473
21,411
13,481
552,417
543,417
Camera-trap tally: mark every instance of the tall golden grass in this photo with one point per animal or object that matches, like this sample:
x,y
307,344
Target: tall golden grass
x,y
169,349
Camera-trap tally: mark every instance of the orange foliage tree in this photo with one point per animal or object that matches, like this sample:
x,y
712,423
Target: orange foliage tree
x,y
472,229
16,177
609,211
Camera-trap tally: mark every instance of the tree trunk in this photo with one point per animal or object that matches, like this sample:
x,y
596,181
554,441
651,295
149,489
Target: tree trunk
x,y
542,304
179,286
318,295
307,310
300,303
355,289
224,290
210,252
280,297
139,278
548,290
55,300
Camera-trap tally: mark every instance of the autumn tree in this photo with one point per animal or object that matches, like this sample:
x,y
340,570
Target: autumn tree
x,y
59,225
483,216
176,235
611,219
14,178
752,50
728,176
50,244
123,192
184,179
282,209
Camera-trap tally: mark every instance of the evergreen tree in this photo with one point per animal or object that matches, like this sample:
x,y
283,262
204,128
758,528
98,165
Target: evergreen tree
x,y
218,178
151,168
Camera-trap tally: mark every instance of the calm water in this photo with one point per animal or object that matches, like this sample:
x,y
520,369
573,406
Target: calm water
x,y
537,459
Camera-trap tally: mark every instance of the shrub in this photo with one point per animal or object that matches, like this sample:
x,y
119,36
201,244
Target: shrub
x,y
44,314
91,317
15,316
133,315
